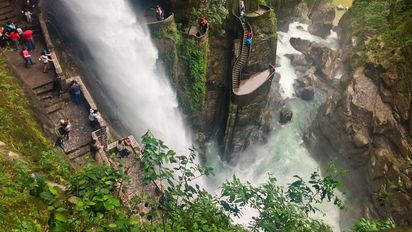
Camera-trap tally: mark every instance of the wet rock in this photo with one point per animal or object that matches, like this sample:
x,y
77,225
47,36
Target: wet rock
x,y
285,115
299,27
324,58
322,17
298,59
307,93
320,29
302,11
361,138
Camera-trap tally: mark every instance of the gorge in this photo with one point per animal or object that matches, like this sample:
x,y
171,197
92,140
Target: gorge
x,y
243,135
339,96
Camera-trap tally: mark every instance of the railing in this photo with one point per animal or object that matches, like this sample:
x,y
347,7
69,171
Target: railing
x,y
169,19
243,56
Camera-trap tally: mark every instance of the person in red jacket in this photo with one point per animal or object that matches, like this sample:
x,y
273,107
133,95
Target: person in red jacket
x,y
203,25
27,57
28,36
14,38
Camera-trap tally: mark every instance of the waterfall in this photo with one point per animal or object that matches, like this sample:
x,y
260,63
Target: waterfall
x,y
285,154
119,60
115,51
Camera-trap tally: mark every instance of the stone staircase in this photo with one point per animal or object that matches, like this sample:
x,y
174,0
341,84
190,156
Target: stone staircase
x,y
7,11
242,58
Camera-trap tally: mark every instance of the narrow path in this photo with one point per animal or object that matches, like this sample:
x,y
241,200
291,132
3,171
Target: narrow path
x,y
41,85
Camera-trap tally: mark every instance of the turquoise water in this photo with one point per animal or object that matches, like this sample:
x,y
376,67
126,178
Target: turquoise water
x,y
285,154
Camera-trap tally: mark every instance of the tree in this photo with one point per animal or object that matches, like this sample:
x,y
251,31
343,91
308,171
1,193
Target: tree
x,y
186,206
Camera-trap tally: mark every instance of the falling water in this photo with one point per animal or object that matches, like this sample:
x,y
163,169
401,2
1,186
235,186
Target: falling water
x,y
285,154
119,59
122,70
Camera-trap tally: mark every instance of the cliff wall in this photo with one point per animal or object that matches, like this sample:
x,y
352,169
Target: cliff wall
x,y
365,125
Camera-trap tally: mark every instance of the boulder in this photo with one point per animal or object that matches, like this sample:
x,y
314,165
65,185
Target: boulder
x,y
306,93
285,115
298,59
361,138
320,29
324,58
322,17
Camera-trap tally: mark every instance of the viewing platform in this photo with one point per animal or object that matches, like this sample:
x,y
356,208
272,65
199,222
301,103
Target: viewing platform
x,y
261,11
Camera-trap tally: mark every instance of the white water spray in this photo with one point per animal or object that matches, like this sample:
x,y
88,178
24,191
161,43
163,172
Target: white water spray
x,y
284,47
125,61
284,155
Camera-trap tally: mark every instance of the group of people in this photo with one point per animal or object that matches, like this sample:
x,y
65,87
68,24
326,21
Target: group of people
x,y
13,35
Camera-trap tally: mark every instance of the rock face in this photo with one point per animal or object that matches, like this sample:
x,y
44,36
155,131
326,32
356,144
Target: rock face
x,y
213,116
322,57
322,17
365,126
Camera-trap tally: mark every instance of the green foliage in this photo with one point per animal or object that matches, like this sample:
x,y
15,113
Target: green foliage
x,y
187,207
215,14
385,25
193,87
363,225
89,204
18,128
20,209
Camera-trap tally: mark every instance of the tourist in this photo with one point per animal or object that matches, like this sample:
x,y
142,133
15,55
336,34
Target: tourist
x,y
249,41
10,26
203,25
65,128
28,16
14,39
95,148
272,68
20,31
249,34
123,152
45,58
27,57
159,13
75,89
59,142
242,6
57,86
94,123
28,36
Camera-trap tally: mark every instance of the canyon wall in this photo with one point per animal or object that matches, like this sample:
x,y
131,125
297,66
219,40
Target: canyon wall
x,y
365,124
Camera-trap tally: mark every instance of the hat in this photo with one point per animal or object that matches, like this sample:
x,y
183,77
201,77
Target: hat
x,y
91,110
61,121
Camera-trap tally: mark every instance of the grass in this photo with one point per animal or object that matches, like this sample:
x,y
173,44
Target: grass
x,y
21,211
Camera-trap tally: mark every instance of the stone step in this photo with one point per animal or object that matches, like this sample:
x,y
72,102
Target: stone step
x,y
4,4
6,10
65,97
79,152
54,108
47,87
